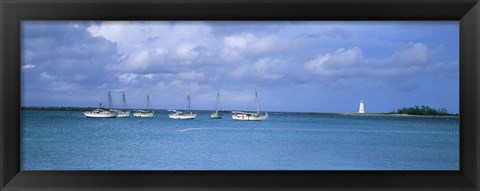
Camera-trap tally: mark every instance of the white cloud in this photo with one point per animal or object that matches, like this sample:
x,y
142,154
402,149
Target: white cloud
x,y
149,76
337,64
239,45
160,51
135,62
270,69
410,61
28,66
45,75
127,77
167,59
191,75
185,51
335,32
411,54
115,31
156,46
56,84
60,86
170,50
239,41
138,60
136,35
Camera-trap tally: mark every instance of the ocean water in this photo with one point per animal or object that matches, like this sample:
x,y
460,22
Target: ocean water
x,y
66,140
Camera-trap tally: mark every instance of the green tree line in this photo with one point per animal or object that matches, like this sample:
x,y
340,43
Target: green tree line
x,y
422,110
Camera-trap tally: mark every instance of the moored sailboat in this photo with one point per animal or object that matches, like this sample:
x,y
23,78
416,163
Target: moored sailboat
x,y
122,113
102,113
145,113
216,114
183,115
250,116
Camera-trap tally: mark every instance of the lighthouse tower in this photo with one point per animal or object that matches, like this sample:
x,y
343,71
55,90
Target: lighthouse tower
x,y
361,109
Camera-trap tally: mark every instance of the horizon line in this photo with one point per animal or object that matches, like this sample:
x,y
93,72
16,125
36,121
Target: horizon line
x,y
353,112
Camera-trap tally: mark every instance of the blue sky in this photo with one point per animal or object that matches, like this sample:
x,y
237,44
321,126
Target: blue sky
x,y
296,66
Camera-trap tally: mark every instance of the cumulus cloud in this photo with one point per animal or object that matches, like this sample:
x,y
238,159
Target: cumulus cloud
x,y
190,76
66,51
127,77
45,75
335,32
264,69
149,76
239,41
28,66
56,84
61,86
168,59
411,54
131,36
338,63
136,61
186,51
239,45
191,52
407,63
158,47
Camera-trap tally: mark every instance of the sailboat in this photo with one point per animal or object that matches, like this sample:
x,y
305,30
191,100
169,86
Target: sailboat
x,y
183,115
216,114
148,112
102,113
250,116
122,113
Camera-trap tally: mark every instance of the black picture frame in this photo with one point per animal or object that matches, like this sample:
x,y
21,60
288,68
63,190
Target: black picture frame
x,y
12,12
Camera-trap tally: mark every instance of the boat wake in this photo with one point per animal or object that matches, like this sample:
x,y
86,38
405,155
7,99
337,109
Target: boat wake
x,y
323,130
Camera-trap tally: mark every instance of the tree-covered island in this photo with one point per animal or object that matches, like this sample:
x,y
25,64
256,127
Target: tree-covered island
x,y
423,110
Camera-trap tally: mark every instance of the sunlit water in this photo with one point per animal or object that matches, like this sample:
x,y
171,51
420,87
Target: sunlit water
x,y
66,140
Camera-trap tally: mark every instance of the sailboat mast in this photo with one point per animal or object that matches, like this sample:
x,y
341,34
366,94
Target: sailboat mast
x,y
216,104
110,100
123,94
148,102
258,105
188,100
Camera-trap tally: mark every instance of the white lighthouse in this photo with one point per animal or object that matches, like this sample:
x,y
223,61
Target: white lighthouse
x,y
361,109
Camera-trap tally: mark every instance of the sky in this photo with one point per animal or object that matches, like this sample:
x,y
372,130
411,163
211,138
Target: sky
x,y
300,66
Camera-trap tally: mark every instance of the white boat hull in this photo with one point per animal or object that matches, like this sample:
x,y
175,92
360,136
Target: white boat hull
x,y
100,115
143,114
216,116
123,114
184,116
249,117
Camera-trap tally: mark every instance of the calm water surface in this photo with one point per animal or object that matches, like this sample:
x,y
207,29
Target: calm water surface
x,y
66,140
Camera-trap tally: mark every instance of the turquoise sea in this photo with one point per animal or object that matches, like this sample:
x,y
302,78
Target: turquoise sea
x,y
66,140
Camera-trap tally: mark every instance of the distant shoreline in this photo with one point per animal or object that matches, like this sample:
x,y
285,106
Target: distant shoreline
x,y
71,108
57,108
397,115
